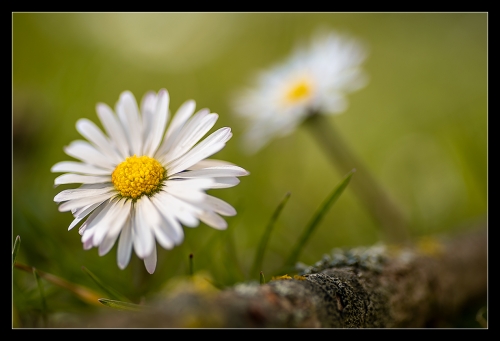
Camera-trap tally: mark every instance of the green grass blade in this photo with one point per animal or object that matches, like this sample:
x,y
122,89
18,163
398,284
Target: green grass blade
x,y
42,294
110,291
262,279
119,305
259,255
294,255
17,244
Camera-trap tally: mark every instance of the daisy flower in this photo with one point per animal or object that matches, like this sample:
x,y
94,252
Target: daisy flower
x,y
313,80
145,179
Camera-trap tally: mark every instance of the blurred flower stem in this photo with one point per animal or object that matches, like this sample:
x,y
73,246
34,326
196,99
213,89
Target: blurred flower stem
x,y
391,221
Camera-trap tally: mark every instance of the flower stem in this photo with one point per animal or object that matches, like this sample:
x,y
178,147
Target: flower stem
x,y
382,208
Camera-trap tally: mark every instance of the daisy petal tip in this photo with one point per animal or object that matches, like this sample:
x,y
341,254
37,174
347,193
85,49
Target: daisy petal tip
x,y
126,93
61,209
151,270
163,92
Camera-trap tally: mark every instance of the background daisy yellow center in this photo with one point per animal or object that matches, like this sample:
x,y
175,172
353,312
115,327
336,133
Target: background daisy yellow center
x,y
137,175
298,91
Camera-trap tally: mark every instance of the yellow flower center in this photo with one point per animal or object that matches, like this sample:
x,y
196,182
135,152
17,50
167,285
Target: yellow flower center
x,y
138,175
299,91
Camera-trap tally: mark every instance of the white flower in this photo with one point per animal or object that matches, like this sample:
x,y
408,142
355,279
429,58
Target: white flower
x,y
141,182
313,80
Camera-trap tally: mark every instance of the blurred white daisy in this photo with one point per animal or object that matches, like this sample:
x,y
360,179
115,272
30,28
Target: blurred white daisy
x,y
142,180
313,80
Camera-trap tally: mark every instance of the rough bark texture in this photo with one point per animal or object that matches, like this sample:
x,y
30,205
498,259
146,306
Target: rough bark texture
x,y
375,287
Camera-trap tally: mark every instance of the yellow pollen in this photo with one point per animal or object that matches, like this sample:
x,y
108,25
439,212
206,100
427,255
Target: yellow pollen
x,y
138,175
299,91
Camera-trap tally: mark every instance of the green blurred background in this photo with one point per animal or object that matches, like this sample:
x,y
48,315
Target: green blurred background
x,y
420,125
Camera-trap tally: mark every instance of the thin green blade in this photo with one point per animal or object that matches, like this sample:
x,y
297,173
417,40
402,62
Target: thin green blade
x,y
262,278
294,255
113,293
42,294
119,305
259,255
17,244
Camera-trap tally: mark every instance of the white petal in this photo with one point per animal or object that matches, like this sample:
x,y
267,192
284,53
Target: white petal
x,y
159,122
95,185
213,172
185,193
74,223
219,206
86,229
84,151
142,233
181,116
181,210
150,261
113,128
99,223
155,220
115,226
77,203
213,220
82,179
171,226
128,112
87,245
225,182
193,156
148,105
78,167
83,211
125,207
105,236
211,145
210,163
191,133
195,183
114,219
72,194
107,244
92,133
125,245
211,203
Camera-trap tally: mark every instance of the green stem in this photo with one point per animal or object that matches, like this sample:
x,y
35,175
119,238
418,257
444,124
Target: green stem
x,y
376,200
191,267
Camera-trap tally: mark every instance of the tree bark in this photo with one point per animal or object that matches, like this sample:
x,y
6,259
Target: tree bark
x,y
419,286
